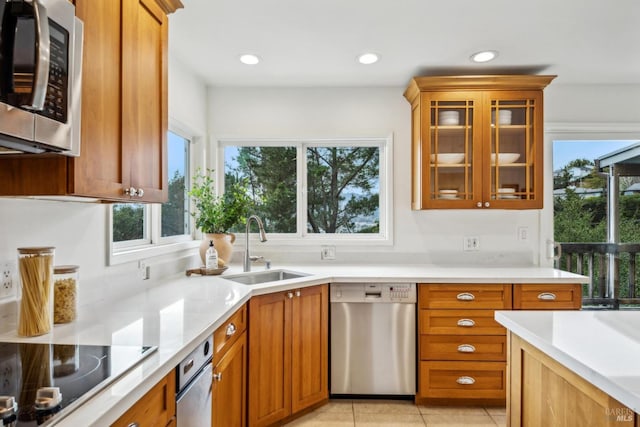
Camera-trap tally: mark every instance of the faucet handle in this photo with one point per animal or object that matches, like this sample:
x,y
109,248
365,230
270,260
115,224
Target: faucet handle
x,y
254,258
267,264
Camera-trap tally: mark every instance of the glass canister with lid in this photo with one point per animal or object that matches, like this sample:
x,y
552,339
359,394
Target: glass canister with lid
x,y
65,290
35,293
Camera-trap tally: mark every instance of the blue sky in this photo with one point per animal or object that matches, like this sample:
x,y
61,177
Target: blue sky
x,y
175,151
566,151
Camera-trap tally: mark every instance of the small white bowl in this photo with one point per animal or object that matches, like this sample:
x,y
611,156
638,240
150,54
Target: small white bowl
x,y
506,190
504,158
448,194
448,118
447,158
504,117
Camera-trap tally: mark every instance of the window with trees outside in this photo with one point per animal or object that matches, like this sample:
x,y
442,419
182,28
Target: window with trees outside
x,y
314,188
136,224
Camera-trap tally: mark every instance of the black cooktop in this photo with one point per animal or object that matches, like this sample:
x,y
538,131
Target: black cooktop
x,y
47,381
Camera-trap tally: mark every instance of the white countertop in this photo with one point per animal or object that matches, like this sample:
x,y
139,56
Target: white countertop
x,y
603,347
179,313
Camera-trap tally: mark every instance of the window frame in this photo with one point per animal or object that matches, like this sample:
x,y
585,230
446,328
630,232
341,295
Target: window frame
x,y
301,236
154,244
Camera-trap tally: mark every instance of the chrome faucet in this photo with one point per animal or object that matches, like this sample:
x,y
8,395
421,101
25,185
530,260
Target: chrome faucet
x,y
263,238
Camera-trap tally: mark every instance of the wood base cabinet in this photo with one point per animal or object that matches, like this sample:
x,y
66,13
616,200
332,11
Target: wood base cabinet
x,y
462,349
543,393
288,353
157,408
229,389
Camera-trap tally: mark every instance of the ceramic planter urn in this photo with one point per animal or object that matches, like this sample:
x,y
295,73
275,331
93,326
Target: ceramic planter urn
x,y
223,243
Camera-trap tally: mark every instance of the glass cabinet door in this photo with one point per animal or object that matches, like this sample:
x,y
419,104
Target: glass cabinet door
x,y
514,157
454,126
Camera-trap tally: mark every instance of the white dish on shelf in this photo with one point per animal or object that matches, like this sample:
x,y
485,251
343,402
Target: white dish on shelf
x,y
447,158
448,194
508,197
504,158
503,190
448,118
504,117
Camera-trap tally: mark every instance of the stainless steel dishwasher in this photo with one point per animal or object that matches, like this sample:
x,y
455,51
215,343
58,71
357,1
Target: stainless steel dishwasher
x,y
194,379
373,339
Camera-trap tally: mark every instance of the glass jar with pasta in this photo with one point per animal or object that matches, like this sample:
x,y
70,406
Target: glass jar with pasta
x,y
65,293
35,293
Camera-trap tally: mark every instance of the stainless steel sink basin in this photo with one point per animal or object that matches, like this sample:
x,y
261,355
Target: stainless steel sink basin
x,y
267,276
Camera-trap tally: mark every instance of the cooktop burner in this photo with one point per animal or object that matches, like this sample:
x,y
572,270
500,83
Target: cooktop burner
x,y
39,382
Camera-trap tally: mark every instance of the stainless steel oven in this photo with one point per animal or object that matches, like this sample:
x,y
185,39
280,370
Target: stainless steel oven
x,y
40,76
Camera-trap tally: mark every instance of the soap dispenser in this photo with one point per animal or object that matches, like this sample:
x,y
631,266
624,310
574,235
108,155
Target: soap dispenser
x,y
212,257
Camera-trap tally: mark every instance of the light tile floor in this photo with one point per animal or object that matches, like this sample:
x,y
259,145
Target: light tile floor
x,y
389,413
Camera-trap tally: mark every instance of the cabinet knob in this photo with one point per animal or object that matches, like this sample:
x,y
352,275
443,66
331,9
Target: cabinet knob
x,y
133,425
466,380
547,296
131,192
479,204
217,376
487,204
466,323
297,293
231,329
140,192
289,295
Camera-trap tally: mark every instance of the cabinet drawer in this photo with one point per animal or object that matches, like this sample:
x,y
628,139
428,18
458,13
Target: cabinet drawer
x,y
479,380
460,322
228,333
463,347
476,296
156,408
547,297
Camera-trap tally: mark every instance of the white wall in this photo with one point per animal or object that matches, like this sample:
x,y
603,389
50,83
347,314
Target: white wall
x,y
79,230
419,236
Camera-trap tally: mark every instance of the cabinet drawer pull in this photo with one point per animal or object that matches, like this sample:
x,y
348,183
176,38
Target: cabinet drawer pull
x,y
479,204
140,192
131,191
298,293
289,295
466,380
487,204
231,329
217,377
547,296
134,425
466,348
465,296
466,323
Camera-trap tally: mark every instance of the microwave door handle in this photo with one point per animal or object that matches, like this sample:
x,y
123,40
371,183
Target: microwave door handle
x,y
7,44
41,78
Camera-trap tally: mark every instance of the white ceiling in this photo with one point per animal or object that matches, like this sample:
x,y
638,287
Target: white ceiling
x,y
315,43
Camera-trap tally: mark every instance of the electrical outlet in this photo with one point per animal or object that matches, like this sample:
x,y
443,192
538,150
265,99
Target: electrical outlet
x,y
471,243
328,252
144,271
523,233
9,280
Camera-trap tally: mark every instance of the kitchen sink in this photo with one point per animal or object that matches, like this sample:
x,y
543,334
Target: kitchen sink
x,y
267,276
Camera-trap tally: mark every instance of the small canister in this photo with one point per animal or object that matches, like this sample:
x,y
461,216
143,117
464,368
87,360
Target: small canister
x,y
35,293
65,290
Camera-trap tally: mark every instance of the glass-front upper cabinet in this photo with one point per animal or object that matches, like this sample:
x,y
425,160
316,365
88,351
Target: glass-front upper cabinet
x,y
477,141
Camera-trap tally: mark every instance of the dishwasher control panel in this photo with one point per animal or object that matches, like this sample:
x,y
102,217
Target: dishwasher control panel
x,y
373,292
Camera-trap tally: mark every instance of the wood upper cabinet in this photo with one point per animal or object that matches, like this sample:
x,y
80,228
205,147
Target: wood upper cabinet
x,y
124,111
288,353
477,141
157,408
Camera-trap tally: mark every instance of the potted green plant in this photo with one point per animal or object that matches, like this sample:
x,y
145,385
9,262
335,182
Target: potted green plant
x,y
216,214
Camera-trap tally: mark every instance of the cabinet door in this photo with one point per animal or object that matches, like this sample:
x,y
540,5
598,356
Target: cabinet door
x,y
269,358
144,97
514,153
98,172
309,340
156,408
451,153
229,386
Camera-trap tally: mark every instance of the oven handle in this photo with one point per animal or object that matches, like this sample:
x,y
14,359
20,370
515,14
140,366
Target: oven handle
x,y
41,79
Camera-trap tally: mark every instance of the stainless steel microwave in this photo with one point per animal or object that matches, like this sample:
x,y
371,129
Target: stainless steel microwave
x,y
40,77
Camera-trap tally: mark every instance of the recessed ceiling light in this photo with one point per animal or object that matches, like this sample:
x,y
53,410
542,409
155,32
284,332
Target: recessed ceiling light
x,y
368,58
484,56
249,59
